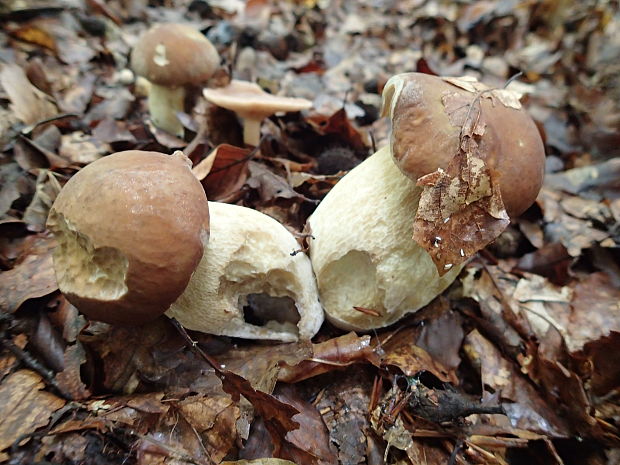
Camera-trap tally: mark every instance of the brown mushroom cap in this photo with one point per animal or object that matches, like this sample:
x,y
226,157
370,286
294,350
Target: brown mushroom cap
x,y
174,55
248,100
130,229
424,139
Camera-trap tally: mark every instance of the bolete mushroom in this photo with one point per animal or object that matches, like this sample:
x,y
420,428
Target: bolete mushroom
x,y
369,270
172,57
252,104
131,229
250,260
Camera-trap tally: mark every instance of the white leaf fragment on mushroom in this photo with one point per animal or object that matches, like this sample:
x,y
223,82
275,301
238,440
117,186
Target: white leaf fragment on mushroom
x,y
160,55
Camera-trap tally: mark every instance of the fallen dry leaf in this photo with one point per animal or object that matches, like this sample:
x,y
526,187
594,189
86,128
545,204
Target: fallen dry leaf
x,y
24,407
214,419
28,103
412,359
69,380
32,276
460,211
270,185
344,408
224,171
312,435
524,406
260,462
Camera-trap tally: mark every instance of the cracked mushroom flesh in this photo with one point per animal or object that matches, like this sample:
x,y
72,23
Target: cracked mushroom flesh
x,y
124,252
252,104
250,283
172,57
362,253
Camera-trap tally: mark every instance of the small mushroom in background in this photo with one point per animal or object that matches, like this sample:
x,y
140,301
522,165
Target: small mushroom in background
x,y
134,242
252,105
124,252
370,272
250,262
172,57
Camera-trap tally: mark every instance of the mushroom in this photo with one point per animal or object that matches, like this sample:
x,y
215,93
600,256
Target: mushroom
x,y
172,57
250,261
131,230
125,253
369,271
252,104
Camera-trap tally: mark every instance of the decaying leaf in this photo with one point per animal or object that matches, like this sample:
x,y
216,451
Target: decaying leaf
x,y
344,408
24,407
506,97
331,355
224,171
270,185
260,462
524,406
28,103
33,276
213,418
69,380
460,211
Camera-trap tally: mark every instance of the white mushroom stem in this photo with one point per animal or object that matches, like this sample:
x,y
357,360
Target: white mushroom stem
x,y
363,253
249,258
251,129
164,103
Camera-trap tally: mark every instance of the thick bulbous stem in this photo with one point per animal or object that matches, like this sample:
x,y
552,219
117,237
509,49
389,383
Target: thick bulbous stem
x,y
248,261
363,253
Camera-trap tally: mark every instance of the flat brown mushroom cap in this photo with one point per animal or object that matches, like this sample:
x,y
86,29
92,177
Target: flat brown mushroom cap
x,y
130,229
248,100
424,139
174,55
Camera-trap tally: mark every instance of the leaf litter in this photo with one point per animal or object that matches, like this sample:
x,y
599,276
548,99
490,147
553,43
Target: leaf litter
x,y
513,364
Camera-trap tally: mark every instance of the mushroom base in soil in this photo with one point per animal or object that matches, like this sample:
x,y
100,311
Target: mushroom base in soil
x,y
248,262
362,251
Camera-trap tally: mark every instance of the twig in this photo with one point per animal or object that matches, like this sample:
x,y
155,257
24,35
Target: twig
x,y
513,78
457,448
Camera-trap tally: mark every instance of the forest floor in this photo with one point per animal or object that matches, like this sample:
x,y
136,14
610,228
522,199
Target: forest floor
x,y
532,324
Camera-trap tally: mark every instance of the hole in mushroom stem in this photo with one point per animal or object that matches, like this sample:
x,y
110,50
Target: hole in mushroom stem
x,y
260,309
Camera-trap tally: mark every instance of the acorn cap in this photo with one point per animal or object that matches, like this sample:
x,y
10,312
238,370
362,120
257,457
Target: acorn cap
x,y
249,101
424,137
174,55
130,230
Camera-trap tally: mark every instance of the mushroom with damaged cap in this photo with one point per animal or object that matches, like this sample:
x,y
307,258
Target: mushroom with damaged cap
x,y
124,252
252,104
172,57
363,254
132,228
